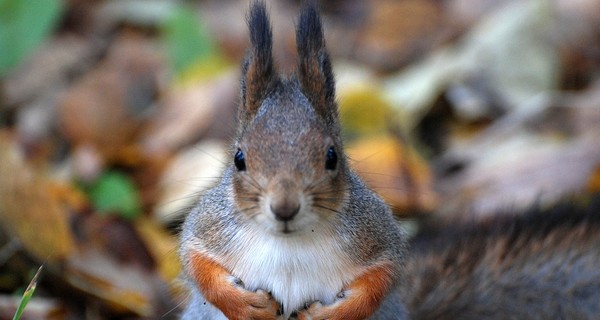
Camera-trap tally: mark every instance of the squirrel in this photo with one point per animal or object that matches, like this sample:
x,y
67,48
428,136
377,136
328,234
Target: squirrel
x,y
290,230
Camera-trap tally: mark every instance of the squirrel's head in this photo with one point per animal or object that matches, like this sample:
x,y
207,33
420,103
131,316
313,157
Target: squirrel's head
x,y
289,170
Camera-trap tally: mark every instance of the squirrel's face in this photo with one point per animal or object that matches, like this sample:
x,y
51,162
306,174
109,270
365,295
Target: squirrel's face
x,y
288,167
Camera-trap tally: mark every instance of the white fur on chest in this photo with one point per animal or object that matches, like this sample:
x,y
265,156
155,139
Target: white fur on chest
x,y
296,269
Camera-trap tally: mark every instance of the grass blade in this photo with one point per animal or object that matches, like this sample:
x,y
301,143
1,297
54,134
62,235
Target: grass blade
x,y
28,294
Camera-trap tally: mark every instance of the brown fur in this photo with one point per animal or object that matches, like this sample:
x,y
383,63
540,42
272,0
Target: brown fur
x,y
540,266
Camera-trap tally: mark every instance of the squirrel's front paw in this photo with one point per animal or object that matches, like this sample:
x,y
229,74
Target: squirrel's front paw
x,y
245,304
316,311
260,305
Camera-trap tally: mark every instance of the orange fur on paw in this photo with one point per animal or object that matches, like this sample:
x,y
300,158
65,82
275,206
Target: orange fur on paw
x,y
236,303
360,299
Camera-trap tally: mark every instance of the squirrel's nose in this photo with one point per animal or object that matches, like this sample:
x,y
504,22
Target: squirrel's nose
x,y
285,210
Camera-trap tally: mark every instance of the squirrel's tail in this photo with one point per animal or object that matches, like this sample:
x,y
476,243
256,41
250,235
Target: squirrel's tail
x,y
540,265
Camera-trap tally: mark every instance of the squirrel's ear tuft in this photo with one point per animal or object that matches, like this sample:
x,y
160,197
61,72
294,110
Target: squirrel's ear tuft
x,y
314,67
258,72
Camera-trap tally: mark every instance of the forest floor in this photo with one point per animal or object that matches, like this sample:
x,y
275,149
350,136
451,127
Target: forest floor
x,y
115,115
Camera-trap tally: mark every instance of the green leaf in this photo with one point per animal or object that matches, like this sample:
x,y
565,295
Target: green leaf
x,y
114,192
23,25
187,43
28,294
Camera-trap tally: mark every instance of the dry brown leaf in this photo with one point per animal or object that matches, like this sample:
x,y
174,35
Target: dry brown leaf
x,y
30,210
48,69
108,106
593,184
537,154
189,173
401,177
187,111
518,173
162,246
397,31
126,288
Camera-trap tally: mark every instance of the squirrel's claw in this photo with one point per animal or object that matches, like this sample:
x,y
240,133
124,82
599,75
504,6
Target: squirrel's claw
x,y
316,311
246,304
259,305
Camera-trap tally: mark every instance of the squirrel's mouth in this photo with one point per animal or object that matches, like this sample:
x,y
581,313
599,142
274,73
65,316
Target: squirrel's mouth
x,y
286,228
283,228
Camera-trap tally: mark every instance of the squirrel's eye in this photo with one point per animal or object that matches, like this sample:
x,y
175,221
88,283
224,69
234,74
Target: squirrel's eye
x,y
331,159
239,160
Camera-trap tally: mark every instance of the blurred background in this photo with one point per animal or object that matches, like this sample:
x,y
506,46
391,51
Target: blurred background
x,y
116,114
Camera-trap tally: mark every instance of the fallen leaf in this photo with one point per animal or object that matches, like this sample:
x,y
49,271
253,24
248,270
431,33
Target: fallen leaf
x,y
187,111
29,209
537,154
189,173
163,247
188,43
23,25
396,32
511,47
397,173
126,288
508,51
363,110
114,192
518,172
112,264
108,106
47,69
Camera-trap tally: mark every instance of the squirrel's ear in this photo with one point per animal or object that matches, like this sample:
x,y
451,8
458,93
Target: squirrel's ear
x,y
314,67
258,73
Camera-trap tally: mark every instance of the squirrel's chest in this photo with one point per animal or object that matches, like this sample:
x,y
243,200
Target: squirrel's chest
x,y
296,270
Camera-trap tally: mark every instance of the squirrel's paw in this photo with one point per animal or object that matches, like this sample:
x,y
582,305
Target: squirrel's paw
x,y
255,305
316,311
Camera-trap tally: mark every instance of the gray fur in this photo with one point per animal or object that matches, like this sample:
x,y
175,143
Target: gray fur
x,y
541,265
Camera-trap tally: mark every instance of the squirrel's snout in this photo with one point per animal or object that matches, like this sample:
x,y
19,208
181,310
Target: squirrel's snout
x,y
285,210
284,202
